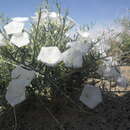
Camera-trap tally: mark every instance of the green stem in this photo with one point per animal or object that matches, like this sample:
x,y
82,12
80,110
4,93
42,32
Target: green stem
x,y
35,38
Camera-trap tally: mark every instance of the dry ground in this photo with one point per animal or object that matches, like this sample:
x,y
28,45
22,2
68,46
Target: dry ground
x,y
112,114
68,113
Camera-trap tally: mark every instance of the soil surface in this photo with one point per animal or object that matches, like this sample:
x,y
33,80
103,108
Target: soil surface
x,y
64,113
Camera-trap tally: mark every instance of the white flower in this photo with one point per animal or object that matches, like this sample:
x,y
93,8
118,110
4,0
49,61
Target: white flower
x,y
110,61
83,34
122,81
20,73
50,55
79,46
108,72
20,19
70,44
55,18
72,58
20,39
93,35
14,27
44,15
91,96
53,15
2,42
16,92
102,47
20,79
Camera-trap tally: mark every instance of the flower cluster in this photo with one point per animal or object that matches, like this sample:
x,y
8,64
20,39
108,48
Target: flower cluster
x,y
65,50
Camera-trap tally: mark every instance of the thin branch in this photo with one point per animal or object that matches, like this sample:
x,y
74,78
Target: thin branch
x,y
15,118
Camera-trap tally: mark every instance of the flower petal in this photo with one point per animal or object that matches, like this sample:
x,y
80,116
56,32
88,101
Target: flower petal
x,y
83,34
53,15
122,81
72,58
20,39
108,72
79,46
24,74
50,55
16,92
20,19
14,27
91,96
